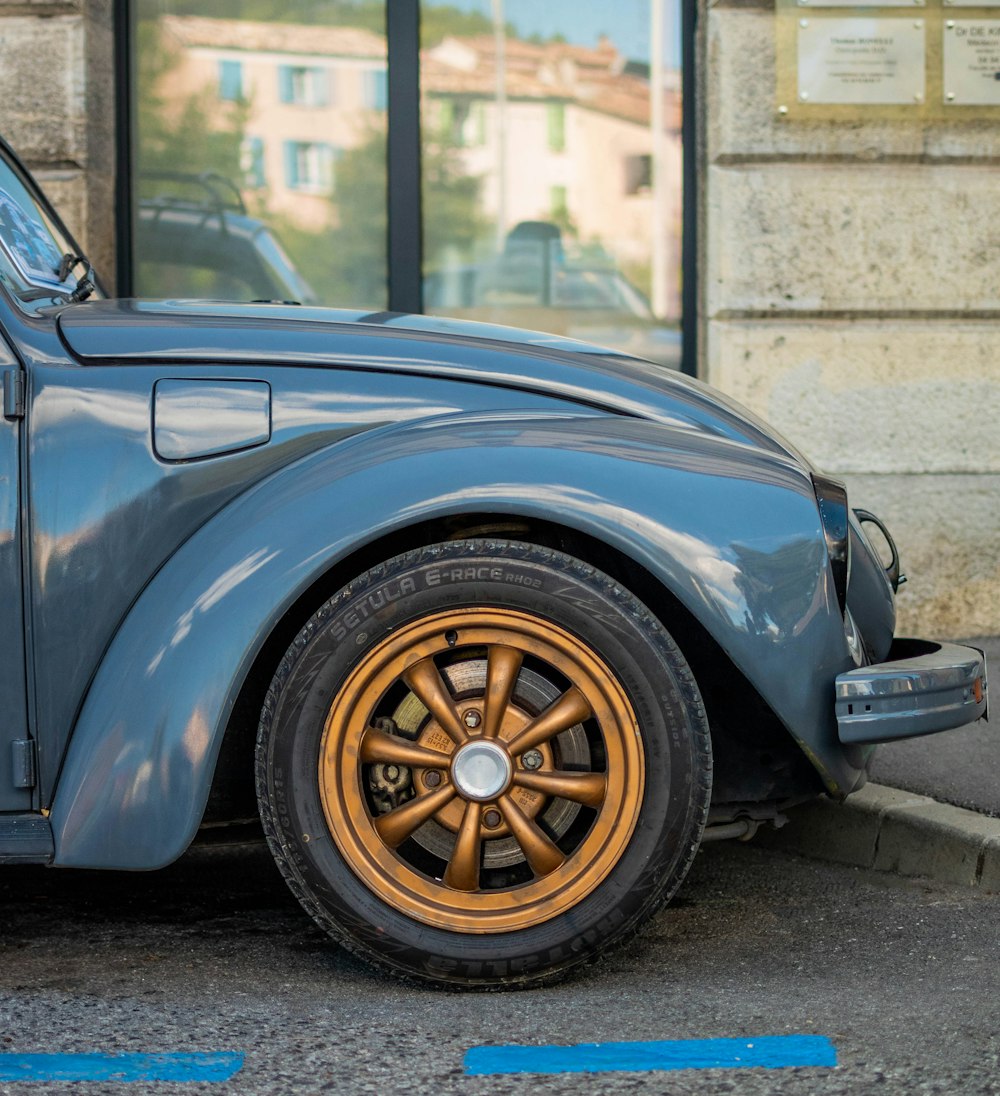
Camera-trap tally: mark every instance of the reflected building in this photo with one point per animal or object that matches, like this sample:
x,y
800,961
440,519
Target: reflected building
x,y
539,156
301,95
579,145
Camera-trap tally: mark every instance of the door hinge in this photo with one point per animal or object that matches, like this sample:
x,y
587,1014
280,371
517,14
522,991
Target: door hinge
x,y
13,394
23,762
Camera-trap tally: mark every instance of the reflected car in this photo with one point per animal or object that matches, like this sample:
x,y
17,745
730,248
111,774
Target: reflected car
x,y
490,629
194,237
534,283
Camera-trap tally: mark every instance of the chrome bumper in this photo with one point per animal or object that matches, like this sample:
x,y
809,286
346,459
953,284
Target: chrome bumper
x,y
923,688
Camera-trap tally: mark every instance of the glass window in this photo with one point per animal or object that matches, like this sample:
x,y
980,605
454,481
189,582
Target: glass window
x,y
309,166
230,80
552,167
551,159
260,131
376,89
303,85
37,263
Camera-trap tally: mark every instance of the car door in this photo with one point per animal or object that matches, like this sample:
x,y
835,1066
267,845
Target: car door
x,y
17,758
41,268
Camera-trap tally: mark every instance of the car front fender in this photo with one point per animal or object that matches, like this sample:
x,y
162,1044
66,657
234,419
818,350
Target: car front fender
x,y
730,530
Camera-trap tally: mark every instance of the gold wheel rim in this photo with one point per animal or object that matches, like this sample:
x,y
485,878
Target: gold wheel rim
x,y
557,870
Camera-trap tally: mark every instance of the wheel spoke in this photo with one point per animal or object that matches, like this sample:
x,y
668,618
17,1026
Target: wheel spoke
x,y
425,681
542,855
376,745
463,868
566,712
396,826
379,746
586,788
502,669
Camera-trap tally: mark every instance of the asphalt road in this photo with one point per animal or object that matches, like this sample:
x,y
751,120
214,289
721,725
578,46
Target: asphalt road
x,y
214,955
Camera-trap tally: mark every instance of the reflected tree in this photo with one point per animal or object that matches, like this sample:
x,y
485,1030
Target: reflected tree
x,y
346,262
186,135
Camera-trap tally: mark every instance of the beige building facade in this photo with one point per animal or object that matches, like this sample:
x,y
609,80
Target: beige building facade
x,y
848,277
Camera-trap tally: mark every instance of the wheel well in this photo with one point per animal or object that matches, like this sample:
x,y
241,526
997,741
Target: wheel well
x,y
755,759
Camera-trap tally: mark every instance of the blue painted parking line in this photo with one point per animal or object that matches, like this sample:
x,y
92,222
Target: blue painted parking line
x,y
767,1052
120,1067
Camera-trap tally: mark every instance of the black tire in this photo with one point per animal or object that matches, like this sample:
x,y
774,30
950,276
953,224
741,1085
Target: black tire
x,y
321,803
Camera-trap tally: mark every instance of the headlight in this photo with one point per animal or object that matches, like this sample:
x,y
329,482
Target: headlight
x,y
831,495
853,636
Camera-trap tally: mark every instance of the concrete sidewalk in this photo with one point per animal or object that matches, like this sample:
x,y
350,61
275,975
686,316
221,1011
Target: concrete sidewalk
x,y
932,808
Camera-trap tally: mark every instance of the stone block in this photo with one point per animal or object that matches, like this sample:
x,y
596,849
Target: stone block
x,y
989,879
844,833
788,238
934,840
869,396
42,86
825,830
947,529
896,831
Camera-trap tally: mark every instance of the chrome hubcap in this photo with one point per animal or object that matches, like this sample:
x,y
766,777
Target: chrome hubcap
x,y
481,770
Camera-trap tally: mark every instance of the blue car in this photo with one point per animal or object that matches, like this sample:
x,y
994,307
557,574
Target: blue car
x,y
490,627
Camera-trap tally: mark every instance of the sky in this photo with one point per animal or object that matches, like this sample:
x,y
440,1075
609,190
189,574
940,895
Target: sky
x,y
582,22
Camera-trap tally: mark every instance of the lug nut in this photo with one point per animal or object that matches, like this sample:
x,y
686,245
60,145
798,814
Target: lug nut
x,y
472,719
392,772
432,778
492,818
532,760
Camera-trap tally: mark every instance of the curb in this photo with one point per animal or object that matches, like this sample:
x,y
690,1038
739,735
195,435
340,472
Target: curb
x,y
895,831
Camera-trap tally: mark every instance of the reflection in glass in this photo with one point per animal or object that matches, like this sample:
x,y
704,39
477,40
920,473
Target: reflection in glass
x,y
260,151
552,167
36,260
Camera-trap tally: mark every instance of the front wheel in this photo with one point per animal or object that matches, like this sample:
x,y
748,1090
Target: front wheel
x,y
482,762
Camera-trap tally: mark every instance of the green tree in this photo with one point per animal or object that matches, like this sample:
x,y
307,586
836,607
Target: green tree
x,y
453,222
345,263
180,136
437,21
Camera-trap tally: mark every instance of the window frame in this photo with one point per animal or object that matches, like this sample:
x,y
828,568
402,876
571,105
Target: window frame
x,y
309,86
309,166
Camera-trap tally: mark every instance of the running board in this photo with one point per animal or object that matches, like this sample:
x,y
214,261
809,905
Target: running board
x,y
25,839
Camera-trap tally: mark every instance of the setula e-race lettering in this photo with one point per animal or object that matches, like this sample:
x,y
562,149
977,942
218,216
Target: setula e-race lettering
x,y
392,591
480,574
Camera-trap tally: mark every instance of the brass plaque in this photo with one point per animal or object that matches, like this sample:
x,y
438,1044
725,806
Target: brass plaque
x,y
861,60
972,62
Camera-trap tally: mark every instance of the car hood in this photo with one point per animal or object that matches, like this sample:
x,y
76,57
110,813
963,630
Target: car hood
x,y
200,332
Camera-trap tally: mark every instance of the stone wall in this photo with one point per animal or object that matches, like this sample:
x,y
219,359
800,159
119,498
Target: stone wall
x,y
57,91
850,294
